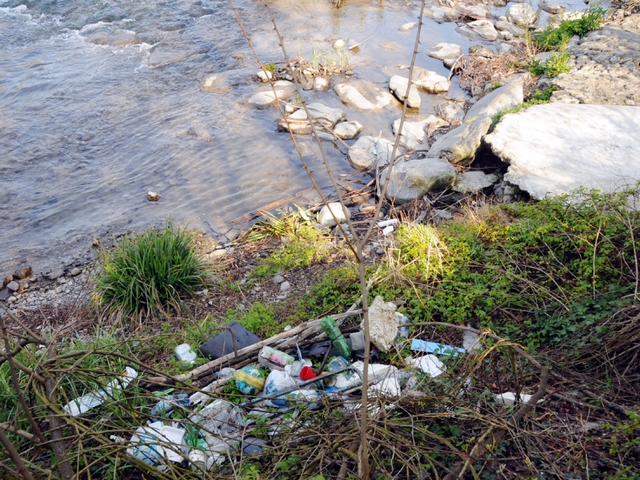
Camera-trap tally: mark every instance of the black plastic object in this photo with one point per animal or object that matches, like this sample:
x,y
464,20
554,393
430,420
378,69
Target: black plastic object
x,y
222,344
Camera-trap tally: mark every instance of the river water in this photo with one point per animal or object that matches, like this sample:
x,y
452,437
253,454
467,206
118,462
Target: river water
x,y
100,103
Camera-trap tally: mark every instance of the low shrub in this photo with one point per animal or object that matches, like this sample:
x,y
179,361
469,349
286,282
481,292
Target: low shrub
x,y
558,37
149,272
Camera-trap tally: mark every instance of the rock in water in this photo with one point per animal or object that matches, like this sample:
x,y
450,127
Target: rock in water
x,y
398,85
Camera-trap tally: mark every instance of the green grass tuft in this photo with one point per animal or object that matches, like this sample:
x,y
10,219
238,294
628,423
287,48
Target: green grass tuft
x,y
149,272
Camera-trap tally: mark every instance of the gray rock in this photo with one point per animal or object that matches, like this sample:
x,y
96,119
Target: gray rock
x,y
363,96
265,96
265,75
482,28
443,51
13,286
411,180
322,115
348,130
481,51
473,182
510,27
556,148
320,84
474,11
543,57
278,279
369,152
442,14
522,14
414,135
75,272
399,86
55,274
459,146
223,82
552,8
507,96
430,81
285,286
326,218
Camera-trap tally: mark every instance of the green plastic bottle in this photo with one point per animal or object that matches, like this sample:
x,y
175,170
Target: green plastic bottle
x,y
329,326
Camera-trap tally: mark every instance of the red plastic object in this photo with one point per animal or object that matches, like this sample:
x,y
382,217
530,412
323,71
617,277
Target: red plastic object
x,y
307,374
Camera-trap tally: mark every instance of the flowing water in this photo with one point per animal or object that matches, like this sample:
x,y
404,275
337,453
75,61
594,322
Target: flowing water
x,y
100,103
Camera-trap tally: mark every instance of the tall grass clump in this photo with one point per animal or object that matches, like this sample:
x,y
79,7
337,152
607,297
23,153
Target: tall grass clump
x,y
149,272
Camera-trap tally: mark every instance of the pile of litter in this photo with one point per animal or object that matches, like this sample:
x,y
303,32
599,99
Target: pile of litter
x,y
302,369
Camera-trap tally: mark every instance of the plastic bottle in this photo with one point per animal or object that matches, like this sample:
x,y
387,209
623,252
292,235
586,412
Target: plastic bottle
x,y
329,326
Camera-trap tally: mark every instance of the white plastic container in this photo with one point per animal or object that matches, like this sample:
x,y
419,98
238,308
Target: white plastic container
x,y
186,354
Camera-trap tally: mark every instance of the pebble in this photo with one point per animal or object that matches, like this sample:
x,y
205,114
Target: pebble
x,y
278,279
13,286
285,286
75,272
55,274
64,291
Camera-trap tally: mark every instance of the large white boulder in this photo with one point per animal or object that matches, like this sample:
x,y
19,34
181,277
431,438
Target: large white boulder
x,y
556,148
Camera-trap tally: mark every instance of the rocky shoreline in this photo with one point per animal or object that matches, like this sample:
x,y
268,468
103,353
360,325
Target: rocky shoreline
x,y
438,151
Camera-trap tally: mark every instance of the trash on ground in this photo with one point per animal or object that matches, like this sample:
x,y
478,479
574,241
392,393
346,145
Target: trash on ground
x,y
250,380
169,403
91,400
471,342
274,359
511,398
222,344
214,429
429,364
383,323
335,335
418,345
185,354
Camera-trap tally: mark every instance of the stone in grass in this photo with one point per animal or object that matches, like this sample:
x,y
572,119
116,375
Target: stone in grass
x,y
326,218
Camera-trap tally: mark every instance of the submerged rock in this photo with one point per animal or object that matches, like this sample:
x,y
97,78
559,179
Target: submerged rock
x,y
299,123
266,97
444,51
348,130
399,86
363,96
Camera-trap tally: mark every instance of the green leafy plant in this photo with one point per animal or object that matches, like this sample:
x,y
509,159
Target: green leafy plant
x,y
554,37
149,272
557,64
